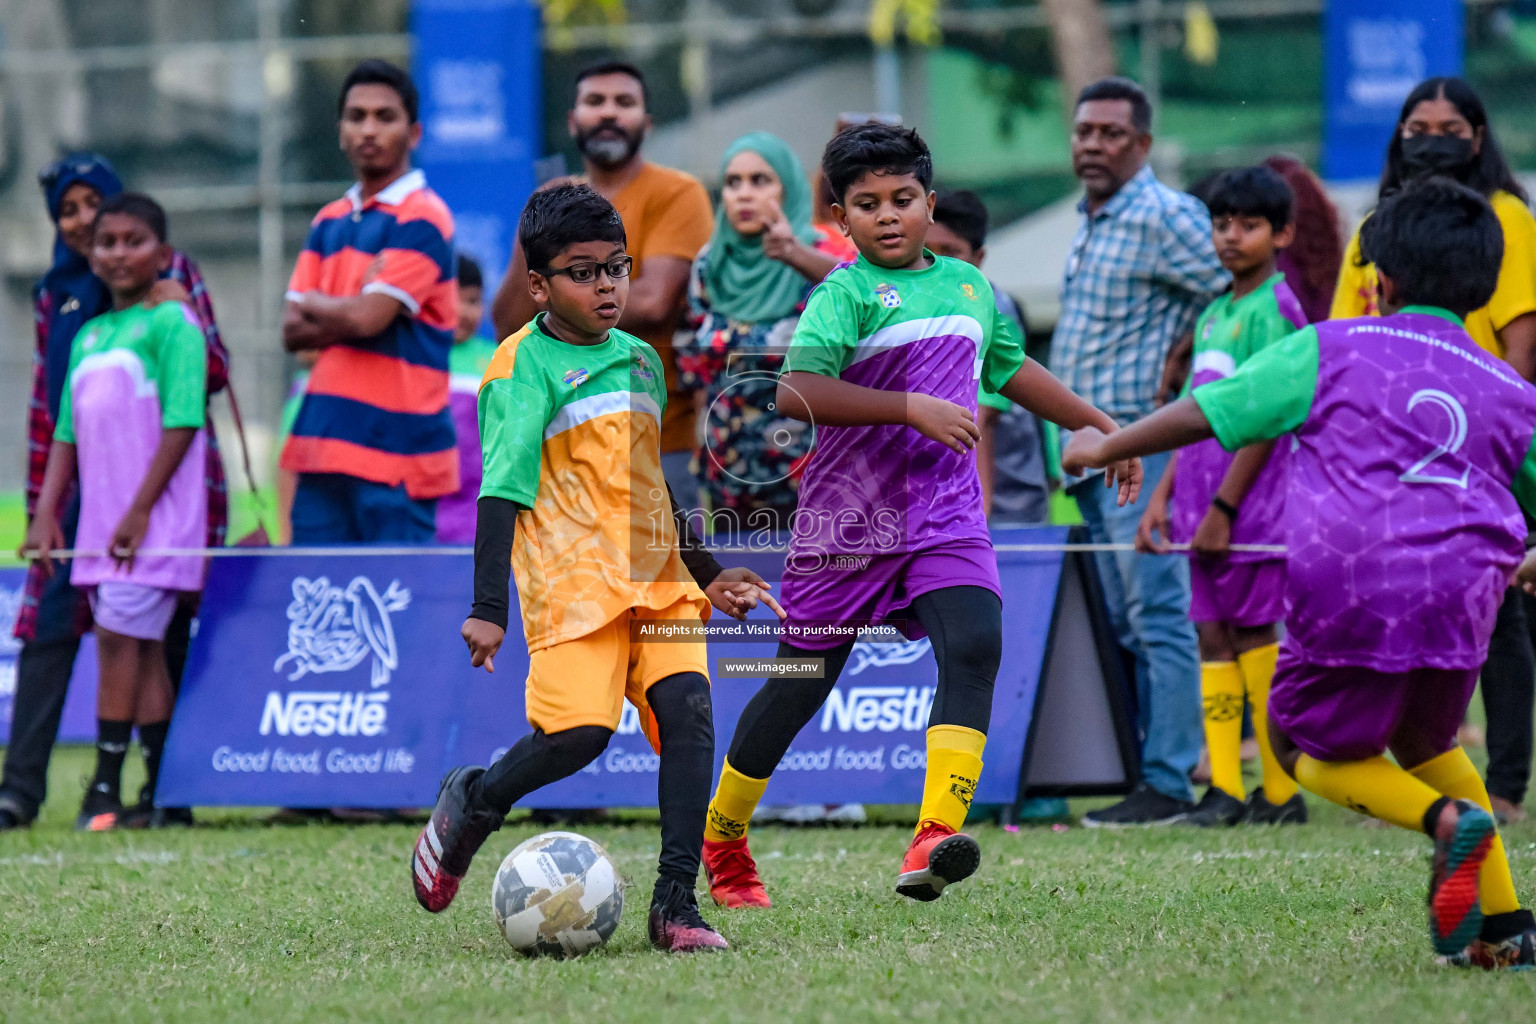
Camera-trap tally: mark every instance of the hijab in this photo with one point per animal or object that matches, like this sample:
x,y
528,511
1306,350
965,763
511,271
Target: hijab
x,y
742,282
74,294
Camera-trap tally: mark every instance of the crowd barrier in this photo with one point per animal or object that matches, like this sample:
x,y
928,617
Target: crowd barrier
x,y
339,678
79,722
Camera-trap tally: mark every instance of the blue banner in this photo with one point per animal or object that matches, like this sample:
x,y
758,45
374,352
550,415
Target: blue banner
x,y
344,682
1375,52
79,722
478,68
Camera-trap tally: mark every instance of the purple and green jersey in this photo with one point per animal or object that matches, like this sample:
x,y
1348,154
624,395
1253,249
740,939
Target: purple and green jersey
x,y
133,374
1228,334
467,361
1411,460
886,489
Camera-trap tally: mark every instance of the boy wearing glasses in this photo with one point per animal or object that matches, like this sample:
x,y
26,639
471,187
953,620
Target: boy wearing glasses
x,y
574,500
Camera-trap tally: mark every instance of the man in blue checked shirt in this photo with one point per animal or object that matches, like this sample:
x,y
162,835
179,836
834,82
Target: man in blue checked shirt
x,y
1142,268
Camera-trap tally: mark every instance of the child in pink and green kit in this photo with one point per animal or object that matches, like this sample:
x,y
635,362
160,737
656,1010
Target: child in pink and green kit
x,y
131,426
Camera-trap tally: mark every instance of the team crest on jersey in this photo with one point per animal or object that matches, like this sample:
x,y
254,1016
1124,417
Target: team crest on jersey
x,y
641,369
970,291
577,377
1205,335
890,298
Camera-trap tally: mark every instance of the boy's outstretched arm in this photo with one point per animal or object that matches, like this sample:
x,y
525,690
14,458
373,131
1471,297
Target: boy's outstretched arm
x,y
831,401
1037,389
1172,426
735,592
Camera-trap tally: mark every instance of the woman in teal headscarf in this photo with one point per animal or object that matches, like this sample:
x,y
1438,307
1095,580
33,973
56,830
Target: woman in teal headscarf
x,y
747,290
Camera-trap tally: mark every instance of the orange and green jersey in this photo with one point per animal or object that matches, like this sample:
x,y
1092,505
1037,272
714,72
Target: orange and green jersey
x,y
572,434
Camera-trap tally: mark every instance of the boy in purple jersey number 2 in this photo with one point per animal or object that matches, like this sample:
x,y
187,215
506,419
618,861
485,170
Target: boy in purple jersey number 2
x,y
1217,500
1411,459
886,362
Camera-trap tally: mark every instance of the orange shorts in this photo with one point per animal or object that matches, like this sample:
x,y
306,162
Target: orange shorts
x,y
585,681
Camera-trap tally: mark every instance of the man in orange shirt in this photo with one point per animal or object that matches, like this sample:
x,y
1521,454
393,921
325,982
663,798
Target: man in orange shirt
x,y
668,219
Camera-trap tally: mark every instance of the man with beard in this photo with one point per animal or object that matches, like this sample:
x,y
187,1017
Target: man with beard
x,y
667,219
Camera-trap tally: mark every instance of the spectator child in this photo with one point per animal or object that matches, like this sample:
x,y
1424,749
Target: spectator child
x,y
885,362
1216,499
467,360
131,426
1411,460
570,418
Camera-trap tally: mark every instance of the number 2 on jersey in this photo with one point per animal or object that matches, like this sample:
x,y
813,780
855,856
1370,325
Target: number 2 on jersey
x,y
1450,446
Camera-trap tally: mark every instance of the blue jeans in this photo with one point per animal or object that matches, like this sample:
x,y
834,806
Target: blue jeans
x,y
333,508
1148,598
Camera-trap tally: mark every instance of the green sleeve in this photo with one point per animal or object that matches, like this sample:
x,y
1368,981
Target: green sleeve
x,y
1003,349
512,421
181,367
1525,481
64,429
1269,395
827,334
988,400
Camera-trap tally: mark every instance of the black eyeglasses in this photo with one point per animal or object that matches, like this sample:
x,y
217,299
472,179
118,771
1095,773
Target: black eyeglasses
x,y
586,273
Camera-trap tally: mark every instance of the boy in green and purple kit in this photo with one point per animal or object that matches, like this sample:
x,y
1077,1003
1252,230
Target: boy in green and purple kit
x,y
131,424
1412,458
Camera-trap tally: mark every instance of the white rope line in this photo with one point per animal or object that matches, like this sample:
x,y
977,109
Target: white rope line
x,y
363,550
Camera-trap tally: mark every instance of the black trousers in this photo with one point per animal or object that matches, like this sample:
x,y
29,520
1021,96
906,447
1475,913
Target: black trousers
x,y
1509,693
42,681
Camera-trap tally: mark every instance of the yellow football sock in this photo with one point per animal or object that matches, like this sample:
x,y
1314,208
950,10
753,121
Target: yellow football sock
x,y
954,765
1221,693
731,810
1373,786
1453,774
1258,667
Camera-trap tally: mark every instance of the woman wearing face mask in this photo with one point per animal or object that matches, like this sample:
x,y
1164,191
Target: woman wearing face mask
x,y
1443,130
746,292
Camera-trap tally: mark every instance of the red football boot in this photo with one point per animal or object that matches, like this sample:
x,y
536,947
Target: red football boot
x,y
938,856
732,875
450,840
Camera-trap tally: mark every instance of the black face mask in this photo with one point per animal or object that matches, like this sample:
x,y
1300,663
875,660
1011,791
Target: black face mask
x,y
1435,154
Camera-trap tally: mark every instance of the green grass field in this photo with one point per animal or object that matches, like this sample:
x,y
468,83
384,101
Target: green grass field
x,y
240,921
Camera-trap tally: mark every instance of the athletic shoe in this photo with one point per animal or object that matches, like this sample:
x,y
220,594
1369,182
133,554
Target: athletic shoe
x,y
450,840
846,814
732,875
938,856
1144,806
1262,812
9,820
101,812
1507,942
803,814
1217,809
1455,914
1043,810
675,924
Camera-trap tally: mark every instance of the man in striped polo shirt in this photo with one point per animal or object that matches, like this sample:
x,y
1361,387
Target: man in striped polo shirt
x,y
374,291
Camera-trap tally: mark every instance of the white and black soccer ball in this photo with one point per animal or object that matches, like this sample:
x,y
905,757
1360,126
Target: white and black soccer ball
x,y
558,894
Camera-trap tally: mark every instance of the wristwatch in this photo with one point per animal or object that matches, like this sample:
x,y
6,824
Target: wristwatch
x,y
1226,507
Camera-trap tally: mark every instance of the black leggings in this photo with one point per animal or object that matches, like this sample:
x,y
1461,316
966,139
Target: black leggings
x,y
966,626
685,722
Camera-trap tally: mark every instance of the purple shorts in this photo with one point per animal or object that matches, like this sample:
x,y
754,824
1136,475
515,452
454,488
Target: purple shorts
x,y
1245,594
1347,713
877,589
133,609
